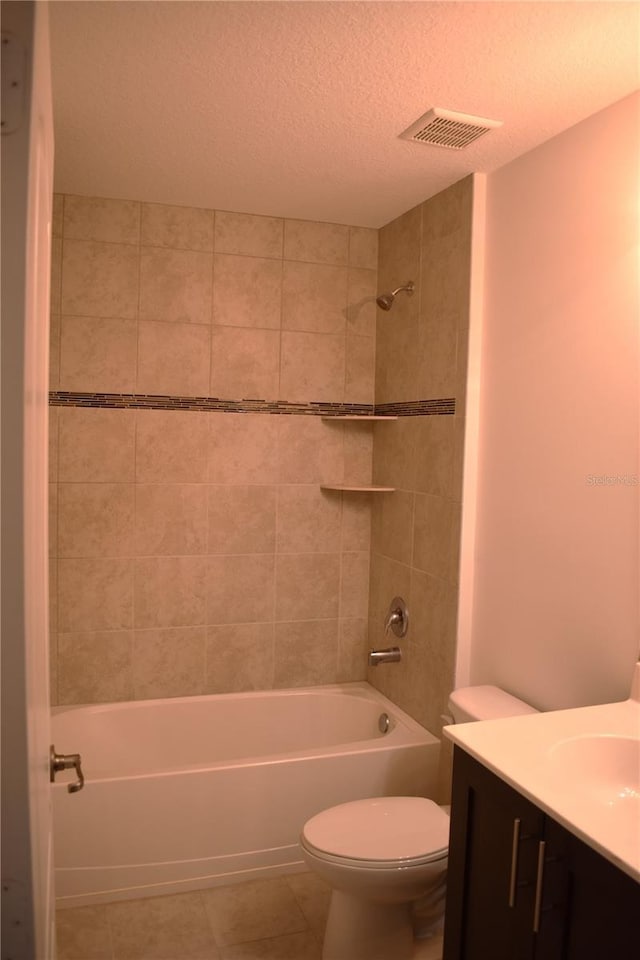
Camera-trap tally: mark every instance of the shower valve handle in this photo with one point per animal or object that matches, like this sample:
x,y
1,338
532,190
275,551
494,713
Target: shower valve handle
x,y
66,761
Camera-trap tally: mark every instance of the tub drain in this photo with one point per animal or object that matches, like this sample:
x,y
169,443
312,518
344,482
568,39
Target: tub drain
x,y
383,723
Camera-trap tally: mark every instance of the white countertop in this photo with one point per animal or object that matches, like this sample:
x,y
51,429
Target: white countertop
x,y
581,766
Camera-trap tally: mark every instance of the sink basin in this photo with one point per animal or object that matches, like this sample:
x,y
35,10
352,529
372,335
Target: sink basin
x,y
604,768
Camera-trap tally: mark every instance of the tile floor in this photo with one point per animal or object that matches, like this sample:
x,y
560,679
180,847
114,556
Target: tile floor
x,y
281,918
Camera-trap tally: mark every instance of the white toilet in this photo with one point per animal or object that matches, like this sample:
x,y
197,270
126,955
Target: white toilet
x,y
381,854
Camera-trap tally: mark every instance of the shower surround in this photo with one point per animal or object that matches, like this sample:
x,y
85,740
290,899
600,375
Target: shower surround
x,y
192,549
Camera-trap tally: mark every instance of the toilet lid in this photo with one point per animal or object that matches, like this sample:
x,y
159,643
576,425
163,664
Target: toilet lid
x,y
381,828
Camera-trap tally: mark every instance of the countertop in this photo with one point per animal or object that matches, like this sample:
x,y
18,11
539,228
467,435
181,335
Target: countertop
x,y
581,766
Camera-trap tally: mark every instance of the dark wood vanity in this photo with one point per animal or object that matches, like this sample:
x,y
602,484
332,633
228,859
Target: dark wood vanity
x,y
522,887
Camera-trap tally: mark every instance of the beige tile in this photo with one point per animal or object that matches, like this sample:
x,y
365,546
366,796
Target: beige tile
x,y
96,218
53,668
434,613
170,592
96,445
251,911
434,455
458,457
187,228
312,895
175,285
394,452
161,928
312,367
94,668
239,657
433,531
359,370
436,355
245,364
54,352
168,663
240,589
445,271
171,519
83,934
53,520
57,214
95,519
248,235
53,596
307,586
99,279
55,293
306,653
361,309
314,297
95,594
354,585
392,525
356,522
399,250
310,450
247,291
242,519
243,448
53,442
449,210
316,242
308,520
171,446
353,648
98,354
363,247
292,946
173,358
397,357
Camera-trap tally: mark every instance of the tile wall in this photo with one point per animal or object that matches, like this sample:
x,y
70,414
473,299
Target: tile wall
x,y
421,352
193,552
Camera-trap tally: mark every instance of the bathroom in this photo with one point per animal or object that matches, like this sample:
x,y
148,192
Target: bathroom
x,y
162,590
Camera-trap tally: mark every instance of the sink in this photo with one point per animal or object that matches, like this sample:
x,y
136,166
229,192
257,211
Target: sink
x,y
603,768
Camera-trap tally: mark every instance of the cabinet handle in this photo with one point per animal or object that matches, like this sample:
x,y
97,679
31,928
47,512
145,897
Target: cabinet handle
x,y
514,862
539,881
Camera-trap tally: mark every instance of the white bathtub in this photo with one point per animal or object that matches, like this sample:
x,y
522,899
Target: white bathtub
x,y
200,791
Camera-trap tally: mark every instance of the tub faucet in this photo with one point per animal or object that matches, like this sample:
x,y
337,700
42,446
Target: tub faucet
x,y
390,655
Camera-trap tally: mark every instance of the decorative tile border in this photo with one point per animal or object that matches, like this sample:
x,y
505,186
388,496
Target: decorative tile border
x,y
137,401
418,408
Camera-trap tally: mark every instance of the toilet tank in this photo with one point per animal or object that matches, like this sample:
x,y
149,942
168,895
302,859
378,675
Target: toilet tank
x,y
485,703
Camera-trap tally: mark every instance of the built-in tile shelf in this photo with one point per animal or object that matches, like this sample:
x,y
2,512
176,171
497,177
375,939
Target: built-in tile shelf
x,y
360,417
356,489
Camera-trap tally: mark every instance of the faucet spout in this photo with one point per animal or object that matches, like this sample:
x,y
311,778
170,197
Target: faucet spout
x,y
390,655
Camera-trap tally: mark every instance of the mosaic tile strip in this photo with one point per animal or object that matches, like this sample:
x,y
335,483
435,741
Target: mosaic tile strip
x,y
137,401
418,408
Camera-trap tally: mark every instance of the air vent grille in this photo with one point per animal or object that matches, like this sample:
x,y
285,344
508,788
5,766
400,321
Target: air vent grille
x,y
444,128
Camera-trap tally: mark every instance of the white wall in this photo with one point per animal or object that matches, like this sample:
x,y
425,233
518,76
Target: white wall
x,y
555,611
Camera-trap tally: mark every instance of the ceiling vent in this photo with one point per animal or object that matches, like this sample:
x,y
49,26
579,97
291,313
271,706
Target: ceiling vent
x,y
444,128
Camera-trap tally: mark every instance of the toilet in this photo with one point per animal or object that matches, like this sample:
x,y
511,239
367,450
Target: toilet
x,y
382,854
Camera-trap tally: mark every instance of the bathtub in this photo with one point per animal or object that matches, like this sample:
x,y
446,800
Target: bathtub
x,y
199,791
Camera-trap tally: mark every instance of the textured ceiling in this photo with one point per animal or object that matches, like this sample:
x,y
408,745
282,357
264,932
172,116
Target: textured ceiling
x,y
294,108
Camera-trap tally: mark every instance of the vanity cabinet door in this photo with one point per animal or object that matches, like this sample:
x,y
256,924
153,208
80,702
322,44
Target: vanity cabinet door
x,y
535,892
590,908
493,860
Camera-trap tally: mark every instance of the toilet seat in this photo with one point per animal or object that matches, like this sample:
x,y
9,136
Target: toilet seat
x,y
358,833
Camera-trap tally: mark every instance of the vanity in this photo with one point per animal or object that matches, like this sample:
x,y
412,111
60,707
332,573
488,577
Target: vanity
x,y
544,857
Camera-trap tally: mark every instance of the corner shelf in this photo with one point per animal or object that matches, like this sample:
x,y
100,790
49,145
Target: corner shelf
x,y
356,489
356,416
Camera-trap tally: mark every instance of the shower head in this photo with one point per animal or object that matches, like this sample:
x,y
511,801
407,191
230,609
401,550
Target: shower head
x,y
385,300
